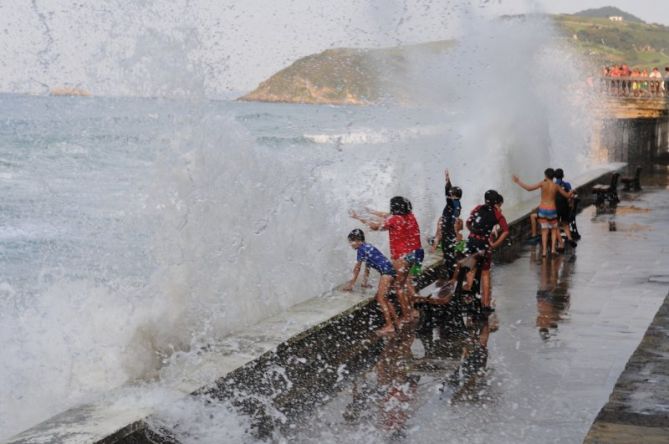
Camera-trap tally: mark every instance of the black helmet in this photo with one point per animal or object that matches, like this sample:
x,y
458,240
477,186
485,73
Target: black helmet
x,y
456,192
491,197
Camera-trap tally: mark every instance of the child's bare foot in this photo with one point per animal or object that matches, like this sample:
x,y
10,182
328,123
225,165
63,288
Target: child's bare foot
x,y
386,330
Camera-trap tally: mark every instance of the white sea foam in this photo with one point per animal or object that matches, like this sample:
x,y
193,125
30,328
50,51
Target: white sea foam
x,y
369,136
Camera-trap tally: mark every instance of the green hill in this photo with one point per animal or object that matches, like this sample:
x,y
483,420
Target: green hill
x,y
609,11
363,76
344,76
607,42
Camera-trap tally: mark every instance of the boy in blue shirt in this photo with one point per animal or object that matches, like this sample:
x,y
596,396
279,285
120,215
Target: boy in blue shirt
x,y
373,258
564,210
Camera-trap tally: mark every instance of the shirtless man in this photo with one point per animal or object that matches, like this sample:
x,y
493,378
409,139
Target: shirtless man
x,y
547,213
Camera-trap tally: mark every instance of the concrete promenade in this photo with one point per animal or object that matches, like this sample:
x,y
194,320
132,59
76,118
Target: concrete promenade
x,y
638,409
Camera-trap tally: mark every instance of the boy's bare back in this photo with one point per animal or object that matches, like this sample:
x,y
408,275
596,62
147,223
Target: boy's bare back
x,y
548,192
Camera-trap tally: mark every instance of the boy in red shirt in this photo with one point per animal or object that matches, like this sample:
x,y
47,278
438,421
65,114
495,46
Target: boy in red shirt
x,y
481,223
405,248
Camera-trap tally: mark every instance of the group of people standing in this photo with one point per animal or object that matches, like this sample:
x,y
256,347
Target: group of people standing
x,y
625,81
555,211
487,231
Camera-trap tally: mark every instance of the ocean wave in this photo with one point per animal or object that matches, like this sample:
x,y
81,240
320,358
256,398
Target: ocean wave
x,y
29,231
372,136
277,140
255,116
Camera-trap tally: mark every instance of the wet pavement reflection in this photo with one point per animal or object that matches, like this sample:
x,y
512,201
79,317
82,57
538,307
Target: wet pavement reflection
x,y
553,290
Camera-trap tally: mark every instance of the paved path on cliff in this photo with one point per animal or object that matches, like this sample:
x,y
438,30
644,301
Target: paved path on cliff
x,y
567,327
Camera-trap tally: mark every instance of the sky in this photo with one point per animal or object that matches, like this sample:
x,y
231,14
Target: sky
x,y
222,47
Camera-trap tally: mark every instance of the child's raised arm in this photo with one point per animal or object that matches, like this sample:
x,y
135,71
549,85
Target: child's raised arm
x,y
377,213
374,225
527,187
448,186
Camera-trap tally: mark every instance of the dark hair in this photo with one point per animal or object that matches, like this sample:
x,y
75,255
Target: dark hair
x,y
549,173
356,235
559,174
456,192
400,206
491,197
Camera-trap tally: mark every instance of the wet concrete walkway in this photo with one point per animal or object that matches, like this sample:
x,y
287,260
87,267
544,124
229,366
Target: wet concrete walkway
x,y
638,409
566,329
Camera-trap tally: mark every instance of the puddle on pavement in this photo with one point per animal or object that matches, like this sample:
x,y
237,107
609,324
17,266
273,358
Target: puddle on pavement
x,y
632,228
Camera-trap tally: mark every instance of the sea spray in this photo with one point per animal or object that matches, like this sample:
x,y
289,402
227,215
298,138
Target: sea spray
x,y
519,99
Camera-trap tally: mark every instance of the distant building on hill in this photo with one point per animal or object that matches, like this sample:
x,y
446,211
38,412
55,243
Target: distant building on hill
x,y
616,18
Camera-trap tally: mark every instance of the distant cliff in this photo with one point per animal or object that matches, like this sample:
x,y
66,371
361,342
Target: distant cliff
x,y
343,76
365,76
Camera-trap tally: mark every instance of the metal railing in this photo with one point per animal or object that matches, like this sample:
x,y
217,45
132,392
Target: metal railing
x,y
640,87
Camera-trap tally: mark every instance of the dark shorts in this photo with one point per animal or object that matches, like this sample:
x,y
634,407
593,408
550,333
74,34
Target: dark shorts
x,y
388,270
448,248
415,257
483,248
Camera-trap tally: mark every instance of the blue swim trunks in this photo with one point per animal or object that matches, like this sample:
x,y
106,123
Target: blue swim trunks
x,y
415,257
547,217
371,255
547,213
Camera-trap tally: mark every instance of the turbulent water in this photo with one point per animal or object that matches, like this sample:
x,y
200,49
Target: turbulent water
x,y
134,228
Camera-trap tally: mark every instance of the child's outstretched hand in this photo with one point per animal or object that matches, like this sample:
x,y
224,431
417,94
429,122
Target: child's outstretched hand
x,y
514,178
446,175
353,214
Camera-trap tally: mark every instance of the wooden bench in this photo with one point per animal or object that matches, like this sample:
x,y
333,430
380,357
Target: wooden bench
x,y
632,183
607,193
